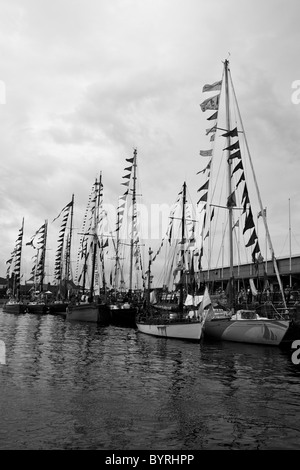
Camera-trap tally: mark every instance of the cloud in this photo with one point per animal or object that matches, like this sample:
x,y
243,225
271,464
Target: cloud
x,y
86,82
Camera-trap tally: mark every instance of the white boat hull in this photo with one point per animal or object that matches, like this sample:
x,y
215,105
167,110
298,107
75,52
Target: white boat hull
x,y
269,332
180,330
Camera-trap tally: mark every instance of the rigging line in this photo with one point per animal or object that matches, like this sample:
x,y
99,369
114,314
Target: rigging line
x,y
260,201
224,230
225,207
237,242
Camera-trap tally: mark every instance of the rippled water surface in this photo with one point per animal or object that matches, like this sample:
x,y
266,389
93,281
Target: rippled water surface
x,y
80,386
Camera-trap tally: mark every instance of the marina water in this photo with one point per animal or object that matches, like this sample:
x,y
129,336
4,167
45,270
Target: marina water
x,y
66,385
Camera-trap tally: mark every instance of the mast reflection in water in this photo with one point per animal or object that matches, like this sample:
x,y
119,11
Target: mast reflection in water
x,y
72,385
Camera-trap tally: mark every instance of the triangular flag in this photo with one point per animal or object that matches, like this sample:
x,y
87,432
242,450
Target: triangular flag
x,y
213,116
234,146
232,133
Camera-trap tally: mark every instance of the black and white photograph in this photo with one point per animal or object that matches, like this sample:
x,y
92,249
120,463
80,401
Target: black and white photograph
x,y
150,228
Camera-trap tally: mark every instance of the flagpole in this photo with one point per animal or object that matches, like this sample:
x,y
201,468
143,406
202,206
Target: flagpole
x,y
229,184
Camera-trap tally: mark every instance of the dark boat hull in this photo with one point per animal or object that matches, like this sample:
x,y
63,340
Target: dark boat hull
x,y
123,316
89,312
40,309
57,308
15,308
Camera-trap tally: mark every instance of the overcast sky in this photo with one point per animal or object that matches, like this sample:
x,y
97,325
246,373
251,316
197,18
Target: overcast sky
x,y
85,82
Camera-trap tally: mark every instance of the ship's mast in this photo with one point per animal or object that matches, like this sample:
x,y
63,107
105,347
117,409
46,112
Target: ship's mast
x,y
230,210
95,237
183,245
133,215
43,258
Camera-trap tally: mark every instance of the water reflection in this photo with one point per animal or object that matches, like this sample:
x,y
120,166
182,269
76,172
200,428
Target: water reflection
x,y
80,386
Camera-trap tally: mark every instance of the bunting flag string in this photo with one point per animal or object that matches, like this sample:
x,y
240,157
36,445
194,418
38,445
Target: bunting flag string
x,y
68,206
40,231
85,228
59,251
14,263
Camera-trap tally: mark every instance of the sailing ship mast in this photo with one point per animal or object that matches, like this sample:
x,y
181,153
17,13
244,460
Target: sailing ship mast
x,y
43,258
182,246
133,216
39,268
68,274
18,281
95,236
15,261
150,252
62,271
132,232
102,245
230,209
